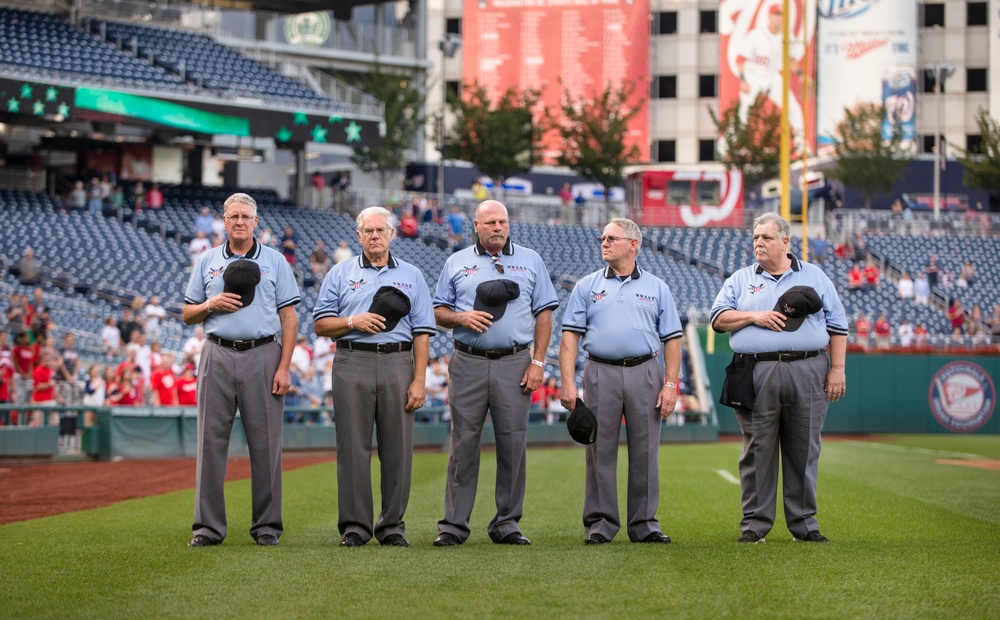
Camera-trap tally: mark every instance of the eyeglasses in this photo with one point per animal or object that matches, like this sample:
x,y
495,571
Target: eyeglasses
x,y
241,218
611,239
368,232
497,264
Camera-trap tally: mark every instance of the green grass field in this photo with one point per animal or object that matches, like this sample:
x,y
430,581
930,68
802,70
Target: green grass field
x,y
910,539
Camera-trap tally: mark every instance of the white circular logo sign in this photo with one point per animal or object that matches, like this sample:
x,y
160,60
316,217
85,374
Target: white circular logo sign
x,y
962,397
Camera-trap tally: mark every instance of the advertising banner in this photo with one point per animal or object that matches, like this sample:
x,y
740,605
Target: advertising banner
x,y
580,45
868,54
750,58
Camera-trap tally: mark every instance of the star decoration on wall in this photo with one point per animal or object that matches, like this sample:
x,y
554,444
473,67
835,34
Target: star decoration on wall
x,y
38,108
353,132
301,119
26,91
284,134
51,93
13,105
63,110
336,118
319,134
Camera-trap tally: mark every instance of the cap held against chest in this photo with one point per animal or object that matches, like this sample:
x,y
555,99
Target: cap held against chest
x,y
492,296
796,304
391,303
582,424
241,277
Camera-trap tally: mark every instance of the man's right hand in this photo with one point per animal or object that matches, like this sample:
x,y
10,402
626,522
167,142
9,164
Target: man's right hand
x,y
567,396
476,320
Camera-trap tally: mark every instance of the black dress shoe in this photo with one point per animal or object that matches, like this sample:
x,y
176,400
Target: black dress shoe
x,y
203,541
447,539
656,537
751,537
812,536
352,539
514,538
267,540
395,540
596,539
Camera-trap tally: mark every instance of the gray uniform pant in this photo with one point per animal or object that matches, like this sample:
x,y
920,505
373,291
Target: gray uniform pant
x,y
610,392
229,380
475,385
788,414
369,391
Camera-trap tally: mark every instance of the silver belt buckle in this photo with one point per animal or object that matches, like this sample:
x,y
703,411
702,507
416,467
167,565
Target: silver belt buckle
x,y
383,347
242,345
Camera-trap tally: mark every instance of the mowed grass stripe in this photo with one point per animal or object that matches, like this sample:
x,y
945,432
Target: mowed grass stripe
x,y
911,539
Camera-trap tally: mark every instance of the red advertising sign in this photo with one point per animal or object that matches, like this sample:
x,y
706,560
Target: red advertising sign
x,y
750,58
535,44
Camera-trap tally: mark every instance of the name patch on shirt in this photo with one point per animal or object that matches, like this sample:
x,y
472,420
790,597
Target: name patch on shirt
x,y
646,298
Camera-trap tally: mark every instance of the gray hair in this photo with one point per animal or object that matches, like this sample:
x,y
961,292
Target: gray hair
x,y
242,199
372,211
773,218
630,228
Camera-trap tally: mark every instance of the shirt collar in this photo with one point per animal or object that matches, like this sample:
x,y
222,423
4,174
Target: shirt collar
x,y
507,250
796,265
391,264
253,253
636,272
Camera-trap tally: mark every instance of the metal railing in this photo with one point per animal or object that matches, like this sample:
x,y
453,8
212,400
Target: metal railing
x,y
844,223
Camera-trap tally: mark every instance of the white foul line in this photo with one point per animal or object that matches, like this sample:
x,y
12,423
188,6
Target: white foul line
x,y
894,448
728,477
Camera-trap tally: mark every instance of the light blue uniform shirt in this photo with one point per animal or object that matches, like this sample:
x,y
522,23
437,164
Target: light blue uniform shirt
x,y
350,286
468,268
621,317
276,289
752,289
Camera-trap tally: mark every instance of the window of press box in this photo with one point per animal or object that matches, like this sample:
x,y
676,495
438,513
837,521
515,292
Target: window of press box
x,y
453,25
708,21
665,23
932,15
707,85
665,87
706,150
665,150
975,80
976,14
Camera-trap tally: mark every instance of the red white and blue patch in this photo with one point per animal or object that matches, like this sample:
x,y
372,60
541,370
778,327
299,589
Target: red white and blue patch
x,y
962,397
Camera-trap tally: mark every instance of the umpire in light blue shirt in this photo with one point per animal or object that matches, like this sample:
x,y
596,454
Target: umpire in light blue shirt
x,y
498,299
789,334
624,316
378,308
245,294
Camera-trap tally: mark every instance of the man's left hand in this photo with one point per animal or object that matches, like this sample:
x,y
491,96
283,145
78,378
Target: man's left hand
x,y
666,401
532,378
415,395
282,381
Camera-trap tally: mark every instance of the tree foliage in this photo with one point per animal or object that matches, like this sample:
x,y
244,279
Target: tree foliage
x,y
404,119
982,164
753,145
866,159
500,138
593,132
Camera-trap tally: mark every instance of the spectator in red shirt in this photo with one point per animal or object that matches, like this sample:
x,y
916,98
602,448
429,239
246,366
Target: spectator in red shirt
x,y
862,328
187,387
871,274
164,383
883,332
855,278
44,387
6,384
409,227
25,358
154,197
956,315
920,335
128,389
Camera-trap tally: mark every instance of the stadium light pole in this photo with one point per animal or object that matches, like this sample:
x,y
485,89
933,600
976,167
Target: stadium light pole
x,y
448,45
942,71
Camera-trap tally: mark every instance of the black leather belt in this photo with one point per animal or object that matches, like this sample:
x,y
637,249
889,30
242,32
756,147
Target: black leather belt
x,y
781,356
490,354
240,345
627,362
375,347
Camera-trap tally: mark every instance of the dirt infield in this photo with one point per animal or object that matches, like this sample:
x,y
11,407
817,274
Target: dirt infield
x,y
991,464
42,490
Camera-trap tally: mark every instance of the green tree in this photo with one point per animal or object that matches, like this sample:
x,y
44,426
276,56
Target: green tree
x,y
593,132
982,164
404,119
866,159
752,146
500,138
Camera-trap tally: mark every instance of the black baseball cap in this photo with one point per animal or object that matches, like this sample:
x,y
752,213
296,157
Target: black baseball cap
x,y
391,303
241,277
796,304
492,296
582,424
